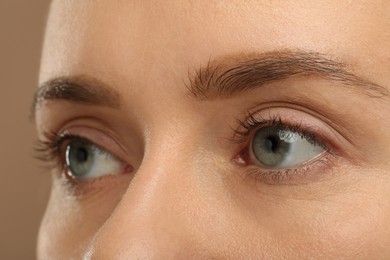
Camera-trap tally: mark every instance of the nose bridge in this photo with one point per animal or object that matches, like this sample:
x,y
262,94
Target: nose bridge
x,y
154,217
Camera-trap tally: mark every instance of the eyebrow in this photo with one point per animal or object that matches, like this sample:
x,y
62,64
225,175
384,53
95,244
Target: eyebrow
x,y
232,75
77,89
224,77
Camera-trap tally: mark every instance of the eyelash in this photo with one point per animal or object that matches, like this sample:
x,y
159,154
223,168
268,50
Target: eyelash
x,y
252,124
50,149
245,133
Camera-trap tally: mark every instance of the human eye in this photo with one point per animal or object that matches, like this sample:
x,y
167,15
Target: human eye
x,y
79,158
281,149
277,147
86,160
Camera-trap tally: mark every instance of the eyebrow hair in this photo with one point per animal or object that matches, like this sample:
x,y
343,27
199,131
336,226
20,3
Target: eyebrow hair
x,y
220,78
233,75
78,89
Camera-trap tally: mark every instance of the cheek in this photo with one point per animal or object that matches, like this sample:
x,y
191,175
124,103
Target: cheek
x,y
349,225
331,230
357,230
352,222
71,221
347,218
63,231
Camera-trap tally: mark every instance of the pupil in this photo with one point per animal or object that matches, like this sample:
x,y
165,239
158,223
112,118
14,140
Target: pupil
x,y
272,143
82,155
80,158
269,147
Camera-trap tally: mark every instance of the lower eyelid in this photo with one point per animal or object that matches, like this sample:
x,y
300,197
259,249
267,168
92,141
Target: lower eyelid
x,y
317,169
82,189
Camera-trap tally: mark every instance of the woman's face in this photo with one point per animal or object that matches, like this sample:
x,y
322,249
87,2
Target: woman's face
x,y
216,129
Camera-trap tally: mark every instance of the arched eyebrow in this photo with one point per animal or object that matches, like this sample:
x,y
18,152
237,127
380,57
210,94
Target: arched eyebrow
x,y
229,76
78,89
221,78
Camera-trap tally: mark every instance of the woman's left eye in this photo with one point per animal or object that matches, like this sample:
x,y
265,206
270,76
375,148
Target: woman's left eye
x,y
275,147
85,160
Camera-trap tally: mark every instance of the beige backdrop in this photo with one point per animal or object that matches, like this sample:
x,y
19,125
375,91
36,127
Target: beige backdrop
x,y
24,185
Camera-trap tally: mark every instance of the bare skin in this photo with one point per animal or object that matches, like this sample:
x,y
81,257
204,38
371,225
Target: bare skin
x,y
180,182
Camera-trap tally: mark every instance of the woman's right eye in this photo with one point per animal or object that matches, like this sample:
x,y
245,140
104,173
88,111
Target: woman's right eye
x,y
86,160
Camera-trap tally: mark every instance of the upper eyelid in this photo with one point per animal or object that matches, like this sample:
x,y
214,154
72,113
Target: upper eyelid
x,y
91,135
53,144
321,135
102,147
296,128
251,121
337,123
121,139
70,138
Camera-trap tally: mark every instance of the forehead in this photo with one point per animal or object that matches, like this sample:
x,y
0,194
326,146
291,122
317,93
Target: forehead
x,y
156,39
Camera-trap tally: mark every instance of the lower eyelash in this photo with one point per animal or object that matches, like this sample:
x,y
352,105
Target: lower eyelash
x,y
295,176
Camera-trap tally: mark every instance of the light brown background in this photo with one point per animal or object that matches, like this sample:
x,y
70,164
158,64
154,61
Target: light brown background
x,y
24,185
